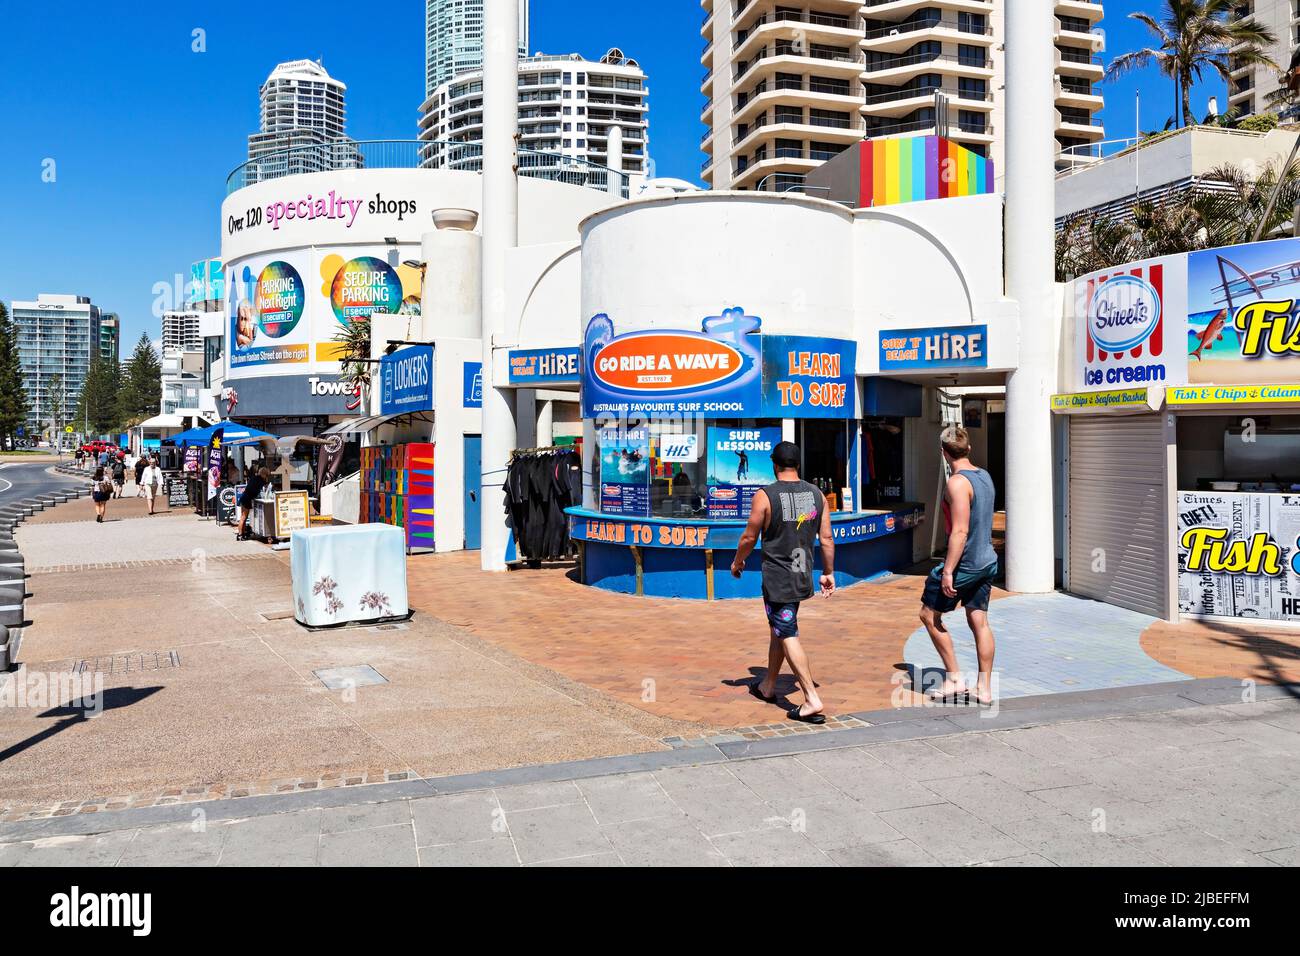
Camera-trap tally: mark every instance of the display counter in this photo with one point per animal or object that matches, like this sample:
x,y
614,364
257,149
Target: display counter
x,y
666,557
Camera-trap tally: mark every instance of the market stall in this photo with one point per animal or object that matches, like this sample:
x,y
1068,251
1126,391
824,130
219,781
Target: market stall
x,y
682,426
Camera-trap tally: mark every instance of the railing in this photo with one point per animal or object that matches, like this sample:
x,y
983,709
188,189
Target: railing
x,y
912,59
916,126
816,19
417,154
927,92
791,51
915,26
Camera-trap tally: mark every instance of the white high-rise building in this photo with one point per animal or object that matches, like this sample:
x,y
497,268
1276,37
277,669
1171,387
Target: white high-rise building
x,y
567,105
791,83
453,39
56,334
303,124
1251,87
180,331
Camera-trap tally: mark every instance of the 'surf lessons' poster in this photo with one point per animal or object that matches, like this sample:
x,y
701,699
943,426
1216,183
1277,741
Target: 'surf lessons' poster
x,y
625,471
1236,553
739,463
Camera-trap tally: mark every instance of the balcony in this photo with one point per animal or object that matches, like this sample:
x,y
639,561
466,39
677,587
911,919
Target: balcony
x,y
960,131
903,36
888,9
1080,128
805,28
1076,62
900,69
903,102
768,62
795,126
806,92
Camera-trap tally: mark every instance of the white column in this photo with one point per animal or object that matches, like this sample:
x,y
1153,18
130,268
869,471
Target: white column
x,y
545,423
500,234
1030,267
614,159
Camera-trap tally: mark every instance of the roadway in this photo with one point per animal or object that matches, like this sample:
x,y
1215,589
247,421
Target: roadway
x,y
25,479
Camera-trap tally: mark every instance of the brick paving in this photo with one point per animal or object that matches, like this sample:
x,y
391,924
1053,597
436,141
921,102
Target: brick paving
x,y
1269,655
690,660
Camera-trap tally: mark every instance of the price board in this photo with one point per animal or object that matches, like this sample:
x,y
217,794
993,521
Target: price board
x,y
227,504
292,513
177,493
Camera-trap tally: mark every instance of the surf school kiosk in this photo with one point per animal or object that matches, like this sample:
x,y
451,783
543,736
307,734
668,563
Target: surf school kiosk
x,y
682,425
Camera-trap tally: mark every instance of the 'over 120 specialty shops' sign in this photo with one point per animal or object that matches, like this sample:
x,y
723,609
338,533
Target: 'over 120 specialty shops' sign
x,y
728,369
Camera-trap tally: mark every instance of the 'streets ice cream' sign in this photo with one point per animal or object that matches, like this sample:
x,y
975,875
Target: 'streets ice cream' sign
x,y
1127,322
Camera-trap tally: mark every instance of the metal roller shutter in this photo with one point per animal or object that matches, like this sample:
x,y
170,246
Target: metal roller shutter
x,y
1118,504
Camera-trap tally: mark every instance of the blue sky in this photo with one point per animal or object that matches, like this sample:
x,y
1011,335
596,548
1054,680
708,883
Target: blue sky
x,y
143,131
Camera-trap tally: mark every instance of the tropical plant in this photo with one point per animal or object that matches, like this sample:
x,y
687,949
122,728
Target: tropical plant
x,y
353,341
1195,37
1233,206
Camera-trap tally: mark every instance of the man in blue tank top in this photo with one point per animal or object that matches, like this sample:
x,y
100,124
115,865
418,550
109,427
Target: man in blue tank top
x,y
790,514
968,570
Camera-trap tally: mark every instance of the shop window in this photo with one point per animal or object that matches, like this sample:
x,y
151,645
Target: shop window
x,y
824,445
883,460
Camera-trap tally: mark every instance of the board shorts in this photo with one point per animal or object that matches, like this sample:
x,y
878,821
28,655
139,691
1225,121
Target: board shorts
x,y
782,617
974,588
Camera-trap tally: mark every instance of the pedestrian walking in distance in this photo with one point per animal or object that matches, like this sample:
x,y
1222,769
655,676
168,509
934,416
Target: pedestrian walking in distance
x,y
119,477
100,492
968,570
791,518
140,464
151,478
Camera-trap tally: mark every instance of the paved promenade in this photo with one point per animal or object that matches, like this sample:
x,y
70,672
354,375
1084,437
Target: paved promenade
x,y
1173,774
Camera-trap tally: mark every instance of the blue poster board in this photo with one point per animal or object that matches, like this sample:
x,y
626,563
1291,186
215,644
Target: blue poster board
x,y
739,463
955,346
625,471
473,384
406,381
544,366
807,377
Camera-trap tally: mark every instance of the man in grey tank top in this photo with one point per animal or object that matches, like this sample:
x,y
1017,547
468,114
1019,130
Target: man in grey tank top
x,y
968,570
790,514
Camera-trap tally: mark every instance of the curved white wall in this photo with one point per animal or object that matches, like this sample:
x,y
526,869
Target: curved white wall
x,y
670,262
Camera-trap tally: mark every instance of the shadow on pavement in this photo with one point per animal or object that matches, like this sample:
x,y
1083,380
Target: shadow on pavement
x,y
77,711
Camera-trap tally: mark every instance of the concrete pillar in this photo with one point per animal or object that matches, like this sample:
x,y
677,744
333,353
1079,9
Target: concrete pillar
x,y
452,301
614,160
1030,267
545,423
526,433
500,234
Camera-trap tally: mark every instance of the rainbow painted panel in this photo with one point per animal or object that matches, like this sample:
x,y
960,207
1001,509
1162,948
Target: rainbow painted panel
x,y
397,489
917,168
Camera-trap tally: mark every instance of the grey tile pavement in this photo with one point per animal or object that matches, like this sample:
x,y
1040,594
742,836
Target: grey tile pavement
x,y
1206,781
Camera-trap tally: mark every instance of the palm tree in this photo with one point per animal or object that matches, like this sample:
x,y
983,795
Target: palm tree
x,y
354,351
1195,36
1248,209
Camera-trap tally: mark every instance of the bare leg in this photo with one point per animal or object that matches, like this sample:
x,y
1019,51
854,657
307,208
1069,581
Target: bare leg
x,y
803,674
953,684
984,647
775,658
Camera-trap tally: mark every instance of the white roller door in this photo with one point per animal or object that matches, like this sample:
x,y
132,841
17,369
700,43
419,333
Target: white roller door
x,y
1118,531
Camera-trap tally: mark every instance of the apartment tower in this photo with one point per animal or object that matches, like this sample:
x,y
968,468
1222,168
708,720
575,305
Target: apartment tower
x,y
567,105
1251,88
789,85
453,39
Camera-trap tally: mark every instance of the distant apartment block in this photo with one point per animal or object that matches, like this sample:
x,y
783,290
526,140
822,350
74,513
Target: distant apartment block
x,y
787,86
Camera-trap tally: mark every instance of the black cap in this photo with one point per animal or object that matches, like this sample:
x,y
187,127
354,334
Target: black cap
x,y
786,455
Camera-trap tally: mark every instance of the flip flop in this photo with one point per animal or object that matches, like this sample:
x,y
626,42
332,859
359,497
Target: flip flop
x,y
937,698
805,719
753,689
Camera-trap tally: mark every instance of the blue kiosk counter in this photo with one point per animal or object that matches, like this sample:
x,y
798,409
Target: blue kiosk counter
x,y
666,557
